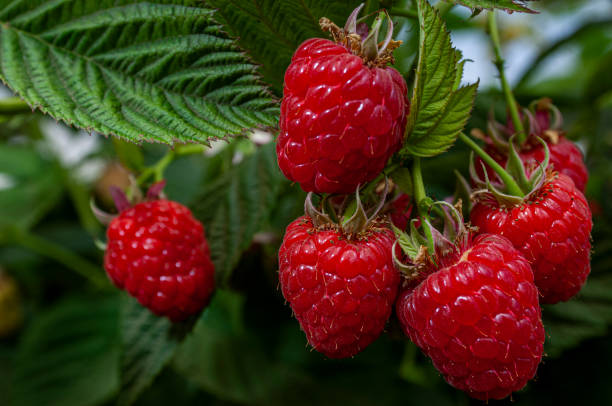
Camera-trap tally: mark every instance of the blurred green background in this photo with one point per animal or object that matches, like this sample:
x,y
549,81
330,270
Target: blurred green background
x,y
68,338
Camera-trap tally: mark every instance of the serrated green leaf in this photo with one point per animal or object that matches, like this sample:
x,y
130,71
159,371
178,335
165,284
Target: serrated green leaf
x,y
148,344
439,108
443,132
30,186
141,71
237,205
69,356
271,30
507,5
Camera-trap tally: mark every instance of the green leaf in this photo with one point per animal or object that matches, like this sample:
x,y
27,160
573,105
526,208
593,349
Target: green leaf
x,y
236,356
439,108
237,205
271,30
589,315
148,344
507,5
69,356
140,71
30,186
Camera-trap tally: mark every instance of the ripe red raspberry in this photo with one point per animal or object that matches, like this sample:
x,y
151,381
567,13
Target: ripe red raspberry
x,y
157,251
565,157
476,315
552,229
341,120
340,289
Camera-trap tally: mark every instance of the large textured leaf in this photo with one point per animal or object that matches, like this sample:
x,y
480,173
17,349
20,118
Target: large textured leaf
x,y
141,71
244,364
237,205
69,356
439,109
271,30
29,186
508,5
148,344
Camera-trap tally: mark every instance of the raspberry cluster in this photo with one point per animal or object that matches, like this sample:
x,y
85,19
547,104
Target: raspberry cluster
x,y
470,299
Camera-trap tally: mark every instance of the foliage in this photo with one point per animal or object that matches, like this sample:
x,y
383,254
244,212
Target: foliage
x,y
439,107
175,71
140,71
507,5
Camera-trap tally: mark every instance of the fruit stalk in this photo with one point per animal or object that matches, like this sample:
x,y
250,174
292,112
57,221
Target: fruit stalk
x,y
499,63
419,198
13,105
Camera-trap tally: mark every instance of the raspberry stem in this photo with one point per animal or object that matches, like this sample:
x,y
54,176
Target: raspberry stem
x,y
420,197
58,253
157,170
499,63
511,184
13,105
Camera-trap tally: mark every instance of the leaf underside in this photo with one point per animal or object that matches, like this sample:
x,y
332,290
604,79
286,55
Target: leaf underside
x,y
140,71
439,107
507,5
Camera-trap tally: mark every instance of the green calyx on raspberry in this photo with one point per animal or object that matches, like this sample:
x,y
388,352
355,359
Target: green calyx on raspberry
x,y
423,252
541,119
354,220
514,185
373,53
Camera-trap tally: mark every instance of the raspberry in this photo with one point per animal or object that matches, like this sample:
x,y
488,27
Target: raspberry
x,y
477,317
341,120
401,210
340,289
565,157
158,252
552,229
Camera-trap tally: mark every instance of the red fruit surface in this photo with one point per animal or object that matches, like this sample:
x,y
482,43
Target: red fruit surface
x,y
158,253
400,211
552,230
340,119
478,318
341,290
564,157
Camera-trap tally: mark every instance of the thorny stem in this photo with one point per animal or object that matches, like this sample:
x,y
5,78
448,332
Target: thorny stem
x,y
418,188
510,183
499,63
60,254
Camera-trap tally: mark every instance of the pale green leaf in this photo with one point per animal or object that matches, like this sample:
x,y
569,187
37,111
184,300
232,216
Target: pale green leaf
x,y
69,356
439,108
140,71
443,130
507,5
237,205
